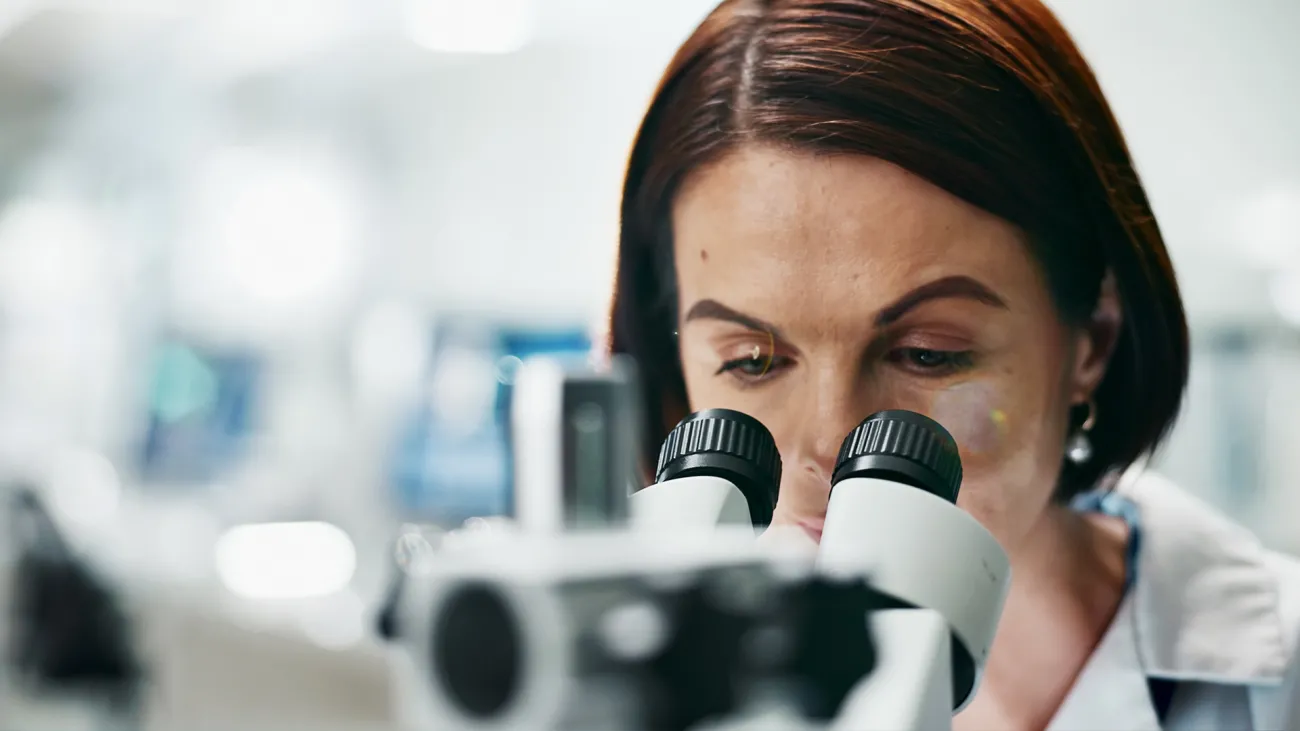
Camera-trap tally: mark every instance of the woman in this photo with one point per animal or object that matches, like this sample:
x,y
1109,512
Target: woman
x,y
837,207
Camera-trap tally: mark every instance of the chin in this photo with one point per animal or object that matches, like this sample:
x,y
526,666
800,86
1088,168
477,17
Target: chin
x,y
991,513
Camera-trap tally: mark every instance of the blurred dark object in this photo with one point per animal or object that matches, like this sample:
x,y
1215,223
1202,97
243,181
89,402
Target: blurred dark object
x,y
411,551
70,633
386,622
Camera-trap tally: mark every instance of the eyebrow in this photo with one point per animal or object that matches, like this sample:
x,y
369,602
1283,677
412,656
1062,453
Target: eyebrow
x,y
957,287
713,310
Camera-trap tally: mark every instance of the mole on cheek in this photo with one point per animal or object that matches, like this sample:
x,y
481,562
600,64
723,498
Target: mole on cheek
x,y
973,414
704,255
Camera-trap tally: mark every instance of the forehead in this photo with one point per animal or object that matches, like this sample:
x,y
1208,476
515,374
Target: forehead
x,y
770,228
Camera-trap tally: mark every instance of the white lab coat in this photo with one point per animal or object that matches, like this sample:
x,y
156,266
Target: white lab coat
x,y
1211,609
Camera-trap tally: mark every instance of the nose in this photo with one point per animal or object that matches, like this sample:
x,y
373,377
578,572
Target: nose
x,y
828,404
834,407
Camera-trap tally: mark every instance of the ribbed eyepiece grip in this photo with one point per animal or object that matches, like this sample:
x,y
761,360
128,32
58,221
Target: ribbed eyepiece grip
x,y
903,446
727,444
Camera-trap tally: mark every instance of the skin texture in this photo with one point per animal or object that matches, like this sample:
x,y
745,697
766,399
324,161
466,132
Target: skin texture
x,y
808,251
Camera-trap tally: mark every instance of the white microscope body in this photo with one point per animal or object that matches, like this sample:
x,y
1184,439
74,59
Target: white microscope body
x,y
672,615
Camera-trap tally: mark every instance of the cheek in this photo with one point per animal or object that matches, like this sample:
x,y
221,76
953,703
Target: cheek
x,y
975,416
1010,460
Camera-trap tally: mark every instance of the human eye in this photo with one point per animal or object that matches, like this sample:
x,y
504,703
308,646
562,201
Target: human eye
x,y
931,362
754,369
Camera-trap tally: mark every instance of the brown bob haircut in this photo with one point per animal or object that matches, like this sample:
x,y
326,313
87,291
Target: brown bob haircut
x,y
987,99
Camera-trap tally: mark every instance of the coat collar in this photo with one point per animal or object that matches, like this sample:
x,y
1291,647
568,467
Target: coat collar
x,y
1205,604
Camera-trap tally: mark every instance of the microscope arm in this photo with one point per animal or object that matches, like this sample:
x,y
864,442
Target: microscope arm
x,y
911,687
909,690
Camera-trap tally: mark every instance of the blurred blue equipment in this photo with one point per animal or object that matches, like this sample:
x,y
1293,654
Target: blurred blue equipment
x,y
201,412
453,458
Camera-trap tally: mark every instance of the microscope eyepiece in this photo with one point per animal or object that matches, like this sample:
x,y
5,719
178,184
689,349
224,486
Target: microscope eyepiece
x,y
902,446
727,444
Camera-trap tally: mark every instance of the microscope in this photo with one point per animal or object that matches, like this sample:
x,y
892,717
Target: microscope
x,y
604,606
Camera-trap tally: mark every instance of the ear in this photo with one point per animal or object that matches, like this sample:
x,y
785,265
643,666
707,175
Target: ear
x,y
1095,342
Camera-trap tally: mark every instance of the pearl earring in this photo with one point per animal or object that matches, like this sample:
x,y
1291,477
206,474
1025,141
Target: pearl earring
x,y
1079,449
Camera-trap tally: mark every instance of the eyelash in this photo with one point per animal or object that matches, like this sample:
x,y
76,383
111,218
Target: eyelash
x,y
766,367
949,362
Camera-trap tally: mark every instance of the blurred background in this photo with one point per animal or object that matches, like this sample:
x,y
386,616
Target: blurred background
x,y
267,266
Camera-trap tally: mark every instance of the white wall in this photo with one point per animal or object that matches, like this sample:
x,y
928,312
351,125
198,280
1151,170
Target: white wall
x,y
524,153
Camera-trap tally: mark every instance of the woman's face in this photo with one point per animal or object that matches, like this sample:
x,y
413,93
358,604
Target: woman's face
x,y
816,290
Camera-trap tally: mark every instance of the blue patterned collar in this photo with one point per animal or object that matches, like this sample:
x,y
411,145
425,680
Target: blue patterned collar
x,y
1114,504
